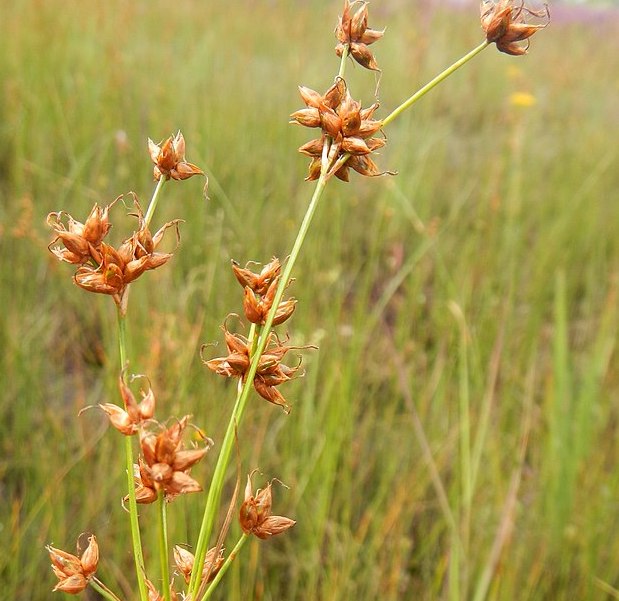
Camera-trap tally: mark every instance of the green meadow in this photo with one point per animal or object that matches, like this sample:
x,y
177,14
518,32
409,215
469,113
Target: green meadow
x,y
454,436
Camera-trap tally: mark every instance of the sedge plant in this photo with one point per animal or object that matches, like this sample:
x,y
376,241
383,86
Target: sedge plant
x,y
158,460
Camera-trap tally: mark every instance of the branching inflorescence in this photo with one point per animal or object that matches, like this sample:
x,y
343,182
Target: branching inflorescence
x,y
349,137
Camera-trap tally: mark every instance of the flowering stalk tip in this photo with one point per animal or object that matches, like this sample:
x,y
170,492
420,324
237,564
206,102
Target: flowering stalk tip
x,y
169,159
73,572
503,21
352,32
255,513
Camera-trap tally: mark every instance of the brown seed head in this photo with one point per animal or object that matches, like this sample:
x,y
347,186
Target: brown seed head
x,y
129,420
80,240
256,307
165,463
270,373
255,513
352,31
169,159
503,21
258,282
103,268
185,560
74,572
347,131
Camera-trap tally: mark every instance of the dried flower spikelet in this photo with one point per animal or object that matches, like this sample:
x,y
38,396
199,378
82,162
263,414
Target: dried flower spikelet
x,y
270,372
155,595
503,22
74,572
255,513
184,560
256,307
347,133
165,464
169,159
112,270
258,282
129,420
81,241
352,31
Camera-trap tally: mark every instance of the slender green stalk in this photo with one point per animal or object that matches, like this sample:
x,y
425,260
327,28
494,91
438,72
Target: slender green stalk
x,y
122,340
217,480
133,506
343,61
214,493
163,544
225,566
153,201
432,84
103,590
258,345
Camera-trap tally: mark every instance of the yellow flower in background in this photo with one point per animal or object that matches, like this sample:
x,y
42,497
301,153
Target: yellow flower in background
x,y
523,99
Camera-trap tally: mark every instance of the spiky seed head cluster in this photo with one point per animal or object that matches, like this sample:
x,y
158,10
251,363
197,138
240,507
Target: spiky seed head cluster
x,y
352,31
169,159
259,293
271,371
165,464
503,21
104,269
129,420
347,134
74,572
184,560
255,513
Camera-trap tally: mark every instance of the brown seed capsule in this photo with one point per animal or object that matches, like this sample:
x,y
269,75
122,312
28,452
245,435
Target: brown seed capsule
x,y
352,31
255,513
503,22
185,560
347,131
169,159
74,572
165,463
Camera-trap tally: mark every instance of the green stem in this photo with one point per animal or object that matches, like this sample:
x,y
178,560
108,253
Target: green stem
x,y
432,84
340,73
224,568
153,201
103,590
214,493
133,506
163,545
122,339
217,480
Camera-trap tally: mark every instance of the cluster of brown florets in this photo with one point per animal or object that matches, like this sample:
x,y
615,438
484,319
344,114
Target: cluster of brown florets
x,y
504,24
164,463
347,130
185,560
169,159
352,32
346,141
255,513
259,293
103,268
73,572
259,296
106,269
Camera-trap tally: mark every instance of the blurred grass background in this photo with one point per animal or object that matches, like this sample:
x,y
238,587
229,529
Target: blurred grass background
x,y
455,434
